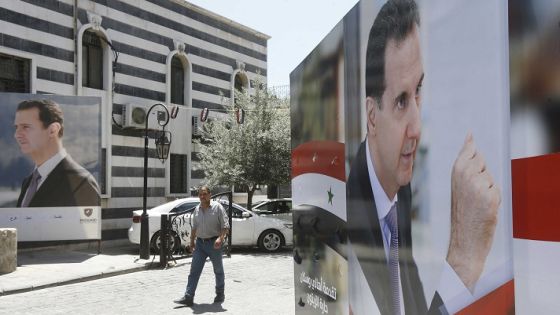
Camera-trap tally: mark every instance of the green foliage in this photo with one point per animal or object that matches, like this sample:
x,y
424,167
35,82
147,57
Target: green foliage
x,y
254,153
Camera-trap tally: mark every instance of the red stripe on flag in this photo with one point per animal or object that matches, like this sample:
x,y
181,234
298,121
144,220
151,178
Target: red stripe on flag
x,y
498,302
320,157
536,197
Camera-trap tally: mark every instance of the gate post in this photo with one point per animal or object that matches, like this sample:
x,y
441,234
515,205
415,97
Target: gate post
x,y
164,240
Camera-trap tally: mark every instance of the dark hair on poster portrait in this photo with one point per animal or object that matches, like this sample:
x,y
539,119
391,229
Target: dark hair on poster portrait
x,y
395,21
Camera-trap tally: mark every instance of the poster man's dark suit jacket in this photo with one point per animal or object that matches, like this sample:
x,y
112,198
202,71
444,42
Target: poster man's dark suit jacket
x,y
68,185
365,234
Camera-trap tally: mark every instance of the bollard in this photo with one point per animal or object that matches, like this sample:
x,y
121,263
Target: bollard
x,y
164,240
8,250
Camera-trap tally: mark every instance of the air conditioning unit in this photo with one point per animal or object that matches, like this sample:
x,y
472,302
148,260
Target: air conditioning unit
x,y
134,116
196,127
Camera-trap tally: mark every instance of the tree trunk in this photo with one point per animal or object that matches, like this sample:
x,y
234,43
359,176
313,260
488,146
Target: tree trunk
x,y
250,193
272,191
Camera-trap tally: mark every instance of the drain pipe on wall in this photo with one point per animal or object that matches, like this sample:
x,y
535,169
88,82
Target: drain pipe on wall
x,y
75,25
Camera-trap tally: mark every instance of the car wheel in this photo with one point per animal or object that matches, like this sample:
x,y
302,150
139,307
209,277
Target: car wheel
x,y
270,241
155,243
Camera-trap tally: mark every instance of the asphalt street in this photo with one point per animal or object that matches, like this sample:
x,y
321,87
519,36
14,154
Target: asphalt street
x,y
256,283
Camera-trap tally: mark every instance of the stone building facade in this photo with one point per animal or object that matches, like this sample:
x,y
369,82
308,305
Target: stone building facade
x,y
131,53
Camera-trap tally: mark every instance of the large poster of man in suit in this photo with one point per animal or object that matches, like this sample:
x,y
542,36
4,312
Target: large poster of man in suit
x,y
51,157
428,199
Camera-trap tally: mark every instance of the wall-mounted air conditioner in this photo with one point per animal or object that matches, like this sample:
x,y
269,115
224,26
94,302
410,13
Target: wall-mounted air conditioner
x,y
134,116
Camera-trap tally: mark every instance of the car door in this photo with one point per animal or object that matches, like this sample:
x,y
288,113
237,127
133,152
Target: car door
x,y
243,227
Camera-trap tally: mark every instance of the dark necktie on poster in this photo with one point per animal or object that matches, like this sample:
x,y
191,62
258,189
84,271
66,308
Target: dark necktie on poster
x,y
35,178
392,223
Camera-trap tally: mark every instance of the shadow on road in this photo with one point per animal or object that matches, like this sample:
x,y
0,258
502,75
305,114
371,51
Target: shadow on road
x,y
252,251
205,308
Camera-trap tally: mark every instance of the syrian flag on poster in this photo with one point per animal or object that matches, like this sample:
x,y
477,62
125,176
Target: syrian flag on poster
x,y
536,233
318,176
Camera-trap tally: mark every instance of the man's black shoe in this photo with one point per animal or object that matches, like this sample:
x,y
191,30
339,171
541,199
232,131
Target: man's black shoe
x,y
185,300
219,298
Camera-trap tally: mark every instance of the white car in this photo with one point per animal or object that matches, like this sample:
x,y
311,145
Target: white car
x,y
248,228
275,208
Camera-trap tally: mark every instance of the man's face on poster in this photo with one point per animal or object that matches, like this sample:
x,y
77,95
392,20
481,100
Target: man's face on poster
x,y
30,134
394,127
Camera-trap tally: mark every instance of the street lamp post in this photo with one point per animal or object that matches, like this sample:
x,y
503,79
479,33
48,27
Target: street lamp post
x,y
163,141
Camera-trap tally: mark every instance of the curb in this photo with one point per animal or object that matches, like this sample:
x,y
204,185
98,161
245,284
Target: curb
x,y
139,266
147,266
76,280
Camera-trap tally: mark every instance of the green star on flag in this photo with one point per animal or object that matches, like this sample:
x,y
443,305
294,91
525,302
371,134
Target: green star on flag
x,y
330,195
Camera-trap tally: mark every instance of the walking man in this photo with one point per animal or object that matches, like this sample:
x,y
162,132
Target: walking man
x,y
210,226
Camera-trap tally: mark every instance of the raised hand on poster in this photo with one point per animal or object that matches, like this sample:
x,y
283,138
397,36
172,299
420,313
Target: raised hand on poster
x,y
474,214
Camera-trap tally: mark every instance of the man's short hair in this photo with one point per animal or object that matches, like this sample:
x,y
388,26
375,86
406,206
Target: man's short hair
x,y
204,187
49,112
395,20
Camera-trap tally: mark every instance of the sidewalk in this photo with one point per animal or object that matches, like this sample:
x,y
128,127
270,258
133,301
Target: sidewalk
x,y
44,268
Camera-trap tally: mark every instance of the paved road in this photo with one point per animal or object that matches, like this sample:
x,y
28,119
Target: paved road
x,y
256,283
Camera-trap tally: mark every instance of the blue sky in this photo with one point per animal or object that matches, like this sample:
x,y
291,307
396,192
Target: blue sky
x,y
296,27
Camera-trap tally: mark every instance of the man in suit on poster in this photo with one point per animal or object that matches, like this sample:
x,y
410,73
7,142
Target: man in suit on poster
x,y
57,180
382,270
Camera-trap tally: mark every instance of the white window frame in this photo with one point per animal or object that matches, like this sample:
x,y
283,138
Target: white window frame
x,y
180,122
105,94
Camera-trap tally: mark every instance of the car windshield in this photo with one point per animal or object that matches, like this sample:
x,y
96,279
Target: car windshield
x,y
185,206
274,207
236,209
168,206
259,203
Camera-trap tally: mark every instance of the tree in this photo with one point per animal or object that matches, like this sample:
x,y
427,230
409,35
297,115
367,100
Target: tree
x,y
253,153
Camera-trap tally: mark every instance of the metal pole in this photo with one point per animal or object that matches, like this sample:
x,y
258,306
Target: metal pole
x,y
145,225
230,224
164,238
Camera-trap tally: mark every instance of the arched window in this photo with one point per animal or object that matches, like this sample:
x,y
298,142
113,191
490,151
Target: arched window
x,y
240,84
177,81
92,61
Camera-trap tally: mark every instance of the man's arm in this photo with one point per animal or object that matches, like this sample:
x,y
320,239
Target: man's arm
x,y
474,214
224,224
220,240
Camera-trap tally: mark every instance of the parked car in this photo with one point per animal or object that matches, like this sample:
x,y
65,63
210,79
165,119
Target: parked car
x,y
154,219
275,208
248,228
